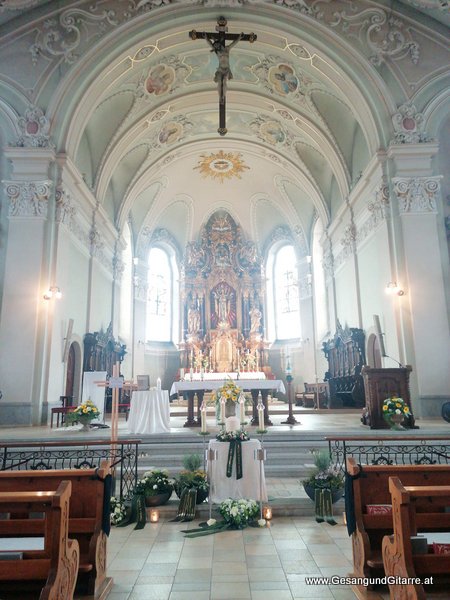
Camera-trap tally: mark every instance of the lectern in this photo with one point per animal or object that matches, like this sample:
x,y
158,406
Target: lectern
x,y
380,384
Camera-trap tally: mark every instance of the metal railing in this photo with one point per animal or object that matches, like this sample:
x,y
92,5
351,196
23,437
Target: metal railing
x,y
390,450
123,456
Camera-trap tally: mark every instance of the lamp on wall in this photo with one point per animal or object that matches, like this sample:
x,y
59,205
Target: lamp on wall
x,y
393,289
53,292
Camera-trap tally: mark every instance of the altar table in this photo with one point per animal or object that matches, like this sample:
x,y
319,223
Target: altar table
x,y
223,487
253,385
149,412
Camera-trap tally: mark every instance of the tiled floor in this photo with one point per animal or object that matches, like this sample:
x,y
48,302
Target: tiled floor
x,y
270,563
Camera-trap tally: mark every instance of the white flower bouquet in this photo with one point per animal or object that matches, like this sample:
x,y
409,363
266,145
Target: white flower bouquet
x,y
118,511
239,513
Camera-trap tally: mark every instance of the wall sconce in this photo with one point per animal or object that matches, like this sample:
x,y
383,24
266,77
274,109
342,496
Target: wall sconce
x,y
154,515
393,289
53,292
267,513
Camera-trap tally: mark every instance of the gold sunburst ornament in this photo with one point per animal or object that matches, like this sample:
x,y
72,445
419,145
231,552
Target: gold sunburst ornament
x,y
221,165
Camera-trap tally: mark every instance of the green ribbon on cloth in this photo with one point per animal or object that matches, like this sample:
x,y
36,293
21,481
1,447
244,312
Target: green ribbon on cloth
x,y
138,513
235,448
324,506
186,507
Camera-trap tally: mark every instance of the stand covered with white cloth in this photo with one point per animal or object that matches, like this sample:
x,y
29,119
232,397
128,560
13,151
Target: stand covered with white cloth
x,y
249,487
149,412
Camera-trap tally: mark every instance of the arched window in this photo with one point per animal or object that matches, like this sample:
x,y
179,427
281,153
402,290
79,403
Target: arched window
x,y
283,300
162,296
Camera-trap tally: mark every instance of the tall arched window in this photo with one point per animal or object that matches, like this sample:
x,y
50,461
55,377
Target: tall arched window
x,y
283,300
162,296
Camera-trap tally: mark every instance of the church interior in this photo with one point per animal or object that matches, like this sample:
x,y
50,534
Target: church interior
x,y
194,192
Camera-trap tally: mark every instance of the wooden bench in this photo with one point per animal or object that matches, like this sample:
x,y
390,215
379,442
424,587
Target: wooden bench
x,y
314,396
371,487
57,563
414,509
87,518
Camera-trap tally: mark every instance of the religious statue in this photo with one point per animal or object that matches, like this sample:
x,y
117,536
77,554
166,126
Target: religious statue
x,y
223,73
222,305
193,319
255,320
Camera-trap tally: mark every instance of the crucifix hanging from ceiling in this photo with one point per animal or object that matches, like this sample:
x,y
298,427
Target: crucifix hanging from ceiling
x,y
217,40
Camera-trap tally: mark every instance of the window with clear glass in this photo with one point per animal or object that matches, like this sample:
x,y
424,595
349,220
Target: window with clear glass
x,y
283,294
161,301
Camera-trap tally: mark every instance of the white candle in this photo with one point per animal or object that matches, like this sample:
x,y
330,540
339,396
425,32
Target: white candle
x,y
191,371
222,409
242,407
260,408
181,374
203,416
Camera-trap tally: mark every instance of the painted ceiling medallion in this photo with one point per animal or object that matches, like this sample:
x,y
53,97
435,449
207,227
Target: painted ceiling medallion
x,y
221,165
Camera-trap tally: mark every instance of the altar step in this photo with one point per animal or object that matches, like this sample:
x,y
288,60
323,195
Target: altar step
x,y
286,457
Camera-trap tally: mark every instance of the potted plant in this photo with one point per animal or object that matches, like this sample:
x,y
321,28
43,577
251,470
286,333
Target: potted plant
x,y
324,476
84,414
394,412
155,486
192,477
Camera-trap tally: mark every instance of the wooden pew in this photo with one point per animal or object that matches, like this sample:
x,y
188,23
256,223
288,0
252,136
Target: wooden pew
x,y
57,564
85,518
408,510
371,487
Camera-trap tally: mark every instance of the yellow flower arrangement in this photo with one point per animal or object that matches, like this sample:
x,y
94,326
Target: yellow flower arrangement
x,y
395,406
229,390
84,411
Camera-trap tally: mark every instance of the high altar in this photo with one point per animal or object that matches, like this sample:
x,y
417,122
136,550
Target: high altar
x,y
223,301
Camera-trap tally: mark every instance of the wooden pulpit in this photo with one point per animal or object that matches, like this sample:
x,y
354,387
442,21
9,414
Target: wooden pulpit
x,y
380,384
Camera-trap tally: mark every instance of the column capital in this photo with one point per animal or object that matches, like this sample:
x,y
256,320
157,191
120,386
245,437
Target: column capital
x,y
417,195
28,198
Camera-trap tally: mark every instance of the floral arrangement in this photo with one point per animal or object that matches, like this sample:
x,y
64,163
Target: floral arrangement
x,y
87,410
154,483
228,436
229,390
118,511
192,477
239,513
324,475
395,406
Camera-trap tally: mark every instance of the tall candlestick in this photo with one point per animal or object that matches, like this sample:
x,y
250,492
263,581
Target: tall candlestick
x,y
181,374
260,408
222,409
203,416
242,407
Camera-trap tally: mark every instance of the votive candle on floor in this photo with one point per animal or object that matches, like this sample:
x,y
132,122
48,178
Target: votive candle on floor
x,y
154,515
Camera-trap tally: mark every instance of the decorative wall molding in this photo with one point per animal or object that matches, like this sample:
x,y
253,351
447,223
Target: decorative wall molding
x,y
34,126
408,126
118,266
328,259
378,212
28,198
65,209
417,195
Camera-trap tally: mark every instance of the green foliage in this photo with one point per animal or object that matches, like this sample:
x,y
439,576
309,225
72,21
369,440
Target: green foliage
x,y
154,483
192,462
324,475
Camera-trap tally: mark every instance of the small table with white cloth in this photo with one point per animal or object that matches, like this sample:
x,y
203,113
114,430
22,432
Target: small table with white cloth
x,y
251,484
149,412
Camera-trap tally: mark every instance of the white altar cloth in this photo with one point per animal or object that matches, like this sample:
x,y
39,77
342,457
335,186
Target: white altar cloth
x,y
223,487
207,376
149,412
245,384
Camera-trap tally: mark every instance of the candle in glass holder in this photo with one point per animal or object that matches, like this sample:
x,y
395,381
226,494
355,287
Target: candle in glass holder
x,y
267,513
154,515
222,409
260,408
242,407
203,416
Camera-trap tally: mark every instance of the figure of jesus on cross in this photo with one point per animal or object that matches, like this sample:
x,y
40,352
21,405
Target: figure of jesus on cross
x,y
217,40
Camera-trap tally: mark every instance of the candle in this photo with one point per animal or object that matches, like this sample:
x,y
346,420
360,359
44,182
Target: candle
x,y
181,374
222,409
260,407
267,513
242,407
191,372
203,416
154,515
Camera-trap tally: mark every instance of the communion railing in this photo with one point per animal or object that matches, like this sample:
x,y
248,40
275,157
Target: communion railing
x,y
123,456
390,450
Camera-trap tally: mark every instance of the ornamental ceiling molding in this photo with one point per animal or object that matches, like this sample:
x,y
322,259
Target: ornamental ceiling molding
x,y
443,5
17,4
417,195
34,126
408,126
378,209
381,35
28,199
221,165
